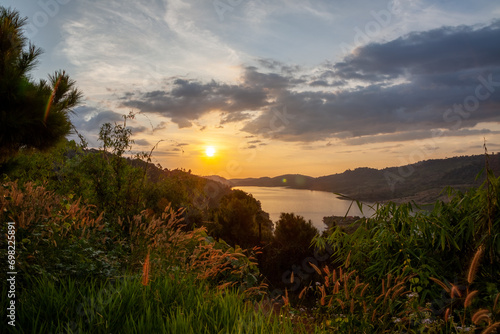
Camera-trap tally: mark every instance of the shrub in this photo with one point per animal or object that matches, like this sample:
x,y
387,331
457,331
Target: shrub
x,y
57,235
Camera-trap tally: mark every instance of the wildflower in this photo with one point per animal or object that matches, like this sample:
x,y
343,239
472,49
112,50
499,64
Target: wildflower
x,y
396,320
427,321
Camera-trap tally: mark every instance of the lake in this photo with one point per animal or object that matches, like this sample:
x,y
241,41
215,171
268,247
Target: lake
x,y
313,205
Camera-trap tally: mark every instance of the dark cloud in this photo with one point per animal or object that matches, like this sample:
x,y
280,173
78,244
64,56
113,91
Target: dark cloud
x,y
160,126
326,83
142,142
138,129
321,83
444,50
447,78
91,119
234,117
270,63
188,100
416,135
274,65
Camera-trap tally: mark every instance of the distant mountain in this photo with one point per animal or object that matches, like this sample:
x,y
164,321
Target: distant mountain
x,y
422,181
219,179
295,181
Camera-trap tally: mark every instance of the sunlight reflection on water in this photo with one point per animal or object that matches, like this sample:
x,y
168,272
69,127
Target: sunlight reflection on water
x,y
313,205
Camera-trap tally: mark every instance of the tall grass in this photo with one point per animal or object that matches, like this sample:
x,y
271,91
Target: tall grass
x,y
167,305
394,269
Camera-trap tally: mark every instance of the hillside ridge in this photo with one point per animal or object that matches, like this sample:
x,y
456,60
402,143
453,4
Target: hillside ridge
x,y
421,182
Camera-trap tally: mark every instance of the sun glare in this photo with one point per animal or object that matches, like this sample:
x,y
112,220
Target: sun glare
x,y
210,151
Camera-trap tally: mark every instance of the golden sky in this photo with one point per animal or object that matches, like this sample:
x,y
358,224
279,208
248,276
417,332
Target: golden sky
x,y
280,86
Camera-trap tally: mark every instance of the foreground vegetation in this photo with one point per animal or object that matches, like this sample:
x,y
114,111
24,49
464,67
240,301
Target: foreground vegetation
x,y
406,270
170,304
401,270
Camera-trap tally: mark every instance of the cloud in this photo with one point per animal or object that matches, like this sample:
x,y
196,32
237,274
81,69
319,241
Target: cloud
x,y
443,50
142,142
446,78
91,119
417,135
189,100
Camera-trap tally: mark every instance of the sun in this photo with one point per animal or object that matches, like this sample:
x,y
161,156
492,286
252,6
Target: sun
x,y
210,151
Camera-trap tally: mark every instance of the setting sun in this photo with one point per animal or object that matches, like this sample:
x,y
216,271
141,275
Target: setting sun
x,y
210,151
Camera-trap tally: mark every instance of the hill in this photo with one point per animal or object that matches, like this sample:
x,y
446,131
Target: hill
x,y
422,181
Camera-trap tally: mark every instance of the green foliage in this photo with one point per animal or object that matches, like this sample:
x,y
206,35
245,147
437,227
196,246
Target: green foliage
x,y
401,239
34,115
290,251
172,249
59,236
240,220
455,244
171,304
294,231
56,235
346,304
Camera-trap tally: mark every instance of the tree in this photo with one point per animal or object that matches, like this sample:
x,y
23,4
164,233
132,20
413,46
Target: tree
x,y
293,231
32,115
240,220
290,250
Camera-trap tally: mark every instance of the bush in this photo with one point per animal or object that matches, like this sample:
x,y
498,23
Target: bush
x,y
57,235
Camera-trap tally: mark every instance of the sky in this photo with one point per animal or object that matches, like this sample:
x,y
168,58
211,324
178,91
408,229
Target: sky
x,y
279,86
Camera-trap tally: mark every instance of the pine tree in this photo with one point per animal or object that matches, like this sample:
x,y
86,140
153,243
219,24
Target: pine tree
x,y
32,114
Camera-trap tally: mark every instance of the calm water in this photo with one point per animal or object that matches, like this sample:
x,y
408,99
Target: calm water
x,y
313,205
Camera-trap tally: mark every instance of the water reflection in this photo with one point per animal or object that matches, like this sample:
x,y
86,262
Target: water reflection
x,y
313,205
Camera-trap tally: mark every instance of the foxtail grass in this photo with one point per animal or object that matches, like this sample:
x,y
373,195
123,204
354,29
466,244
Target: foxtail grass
x,y
166,305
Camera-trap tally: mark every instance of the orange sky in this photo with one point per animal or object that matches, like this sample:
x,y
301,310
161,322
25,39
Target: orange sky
x,y
280,86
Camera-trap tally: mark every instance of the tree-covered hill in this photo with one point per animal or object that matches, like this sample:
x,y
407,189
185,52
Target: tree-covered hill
x,y
422,181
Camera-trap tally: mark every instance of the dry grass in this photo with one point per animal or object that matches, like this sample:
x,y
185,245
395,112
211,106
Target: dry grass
x,y
31,205
160,241
491,328
482,315
145,271
474,266
343,292
193,251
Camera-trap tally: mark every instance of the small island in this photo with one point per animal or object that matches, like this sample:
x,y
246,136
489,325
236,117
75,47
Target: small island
x,y
348,224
